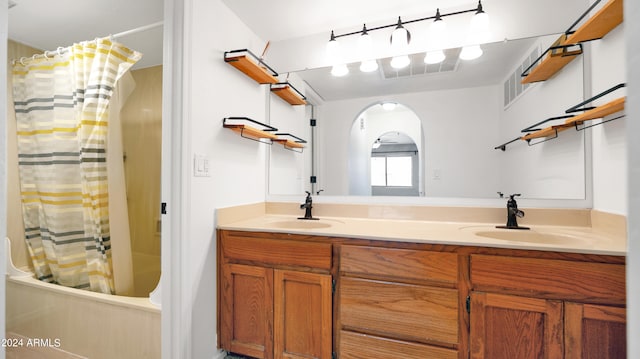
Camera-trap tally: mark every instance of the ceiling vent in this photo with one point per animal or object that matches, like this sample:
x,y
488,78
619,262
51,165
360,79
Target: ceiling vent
x,y
418,67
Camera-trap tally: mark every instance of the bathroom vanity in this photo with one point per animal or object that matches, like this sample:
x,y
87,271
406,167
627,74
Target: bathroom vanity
x,y
332,289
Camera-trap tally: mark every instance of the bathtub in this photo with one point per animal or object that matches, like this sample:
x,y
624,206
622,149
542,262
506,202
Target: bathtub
x,y
83,323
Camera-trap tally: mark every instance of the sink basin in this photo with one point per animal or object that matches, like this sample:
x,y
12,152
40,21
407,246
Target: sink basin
x,y
530,236
302,224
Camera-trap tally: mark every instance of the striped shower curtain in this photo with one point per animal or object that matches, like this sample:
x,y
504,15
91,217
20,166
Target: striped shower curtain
x,y
61,101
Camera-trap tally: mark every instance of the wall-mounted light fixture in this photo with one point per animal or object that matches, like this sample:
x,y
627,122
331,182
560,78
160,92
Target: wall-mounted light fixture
x,y
401,37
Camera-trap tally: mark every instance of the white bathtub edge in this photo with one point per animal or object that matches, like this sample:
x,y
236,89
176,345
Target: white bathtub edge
x,y
139,303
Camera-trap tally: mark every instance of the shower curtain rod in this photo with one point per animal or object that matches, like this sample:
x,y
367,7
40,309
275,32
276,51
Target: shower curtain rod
x,y
61,49
137,29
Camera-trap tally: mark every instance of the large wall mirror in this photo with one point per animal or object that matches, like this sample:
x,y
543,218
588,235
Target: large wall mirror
x,y
464,110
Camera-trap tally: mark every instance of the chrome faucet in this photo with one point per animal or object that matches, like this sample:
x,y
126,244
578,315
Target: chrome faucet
x,y
307,205
513,213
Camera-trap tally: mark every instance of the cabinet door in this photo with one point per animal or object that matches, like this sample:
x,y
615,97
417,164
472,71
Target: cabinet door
x,y
302,315
595,331
246,311
511,327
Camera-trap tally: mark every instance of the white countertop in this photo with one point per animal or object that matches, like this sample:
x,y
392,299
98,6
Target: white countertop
x,y
540,237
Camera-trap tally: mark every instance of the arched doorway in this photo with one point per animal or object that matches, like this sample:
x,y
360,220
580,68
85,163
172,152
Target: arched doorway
x,y
377,125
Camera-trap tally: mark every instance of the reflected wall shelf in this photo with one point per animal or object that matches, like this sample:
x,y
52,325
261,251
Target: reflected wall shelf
x,y
246,128
561,52
291,143
575,121
245,61
287,92
607,109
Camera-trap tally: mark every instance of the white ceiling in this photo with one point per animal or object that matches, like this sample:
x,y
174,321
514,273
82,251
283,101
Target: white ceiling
x,y
47,24
278,20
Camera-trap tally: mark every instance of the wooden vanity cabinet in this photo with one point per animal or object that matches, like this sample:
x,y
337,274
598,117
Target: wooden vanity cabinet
x,y
546,308
399,303
275,295
414,300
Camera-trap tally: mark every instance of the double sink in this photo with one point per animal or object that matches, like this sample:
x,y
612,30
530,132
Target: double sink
x,y
542,236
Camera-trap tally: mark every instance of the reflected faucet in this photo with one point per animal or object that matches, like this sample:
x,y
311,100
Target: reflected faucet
x,y
307,205
513,213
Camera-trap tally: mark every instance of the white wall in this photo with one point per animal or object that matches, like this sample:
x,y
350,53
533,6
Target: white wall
x,y
214,90
460,130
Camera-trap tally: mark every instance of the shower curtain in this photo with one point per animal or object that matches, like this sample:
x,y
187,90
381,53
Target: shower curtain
x,y
61,101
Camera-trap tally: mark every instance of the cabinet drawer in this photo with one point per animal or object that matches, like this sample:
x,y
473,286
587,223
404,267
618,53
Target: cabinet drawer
x,y
272,251
400,263
357,346
403,311
550,278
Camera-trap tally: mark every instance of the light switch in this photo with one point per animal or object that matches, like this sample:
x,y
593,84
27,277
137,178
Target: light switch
x,y
201,166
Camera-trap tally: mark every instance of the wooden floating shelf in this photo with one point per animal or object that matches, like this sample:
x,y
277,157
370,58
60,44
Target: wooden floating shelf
x,y
605,20
251,69
609,108
288,143
253,133
548,67
553,62
287,93
546,132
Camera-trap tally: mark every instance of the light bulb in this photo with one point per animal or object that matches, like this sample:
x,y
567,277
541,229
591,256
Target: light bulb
x,y
365,46
400,62
339,70
400,39
389,106
333,50
471,52
479,27
438,27
438,30
434,57
368,65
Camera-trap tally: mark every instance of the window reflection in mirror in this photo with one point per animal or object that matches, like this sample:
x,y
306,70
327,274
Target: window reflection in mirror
x,y
394,165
